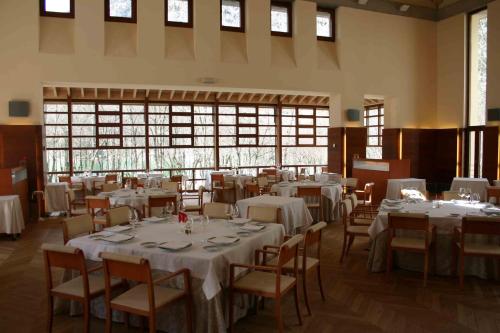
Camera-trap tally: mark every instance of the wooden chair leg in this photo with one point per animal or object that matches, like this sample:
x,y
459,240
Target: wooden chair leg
x,y
344,245
277,313
318,270
454,255
461,272
50,313
304,288
297,307
351,240
388,262
126,316
109,318
426,267
231,300
152,323
86,317
189,313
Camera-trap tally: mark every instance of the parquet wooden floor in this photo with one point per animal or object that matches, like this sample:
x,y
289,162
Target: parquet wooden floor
x,y
357,301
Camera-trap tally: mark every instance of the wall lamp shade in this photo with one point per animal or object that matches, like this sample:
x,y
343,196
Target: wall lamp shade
x,y
494,114
352,114
19,108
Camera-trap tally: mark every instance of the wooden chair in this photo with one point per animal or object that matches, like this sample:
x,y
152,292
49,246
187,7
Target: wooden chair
x,y
351,230
216,210
118,215
349,184
493,192
252,190
82,289
410,222
75,186
310,258
147,297
199,206
475,225
451,195
264,214
268,281
263,183
73,204
110,187
361,215
313,198
76,226
324,169
365,194
134,182
155,202
170,186
97,185
97,207
221,186
271,174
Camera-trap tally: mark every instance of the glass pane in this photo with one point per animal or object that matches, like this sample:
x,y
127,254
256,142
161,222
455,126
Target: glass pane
x,y
109,108
229,120
56,130
372,130
83,130
181,119
158,108
267,141
56,118
305,155
181,130
203,130
306,131
288,121
204,119
288,131
203,109
322,112
279,19
109,130
247,130
247,156
288,112
181,108
56,142
227,110
134,142
109,142
182,142
288,141
158,119
120,8
57,160
231,13
306,141
322,131
247,141
134,130
322,141
158,141
57,6
323,24
109,119
227,141
82,107
227,130
374,152
306,121
263,130
373,141
83,119
83,142
178,11
322,122
247,120
133,108
159,130
248,110
306,112
204,141
133,119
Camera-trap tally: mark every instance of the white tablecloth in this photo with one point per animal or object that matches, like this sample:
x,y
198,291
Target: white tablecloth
x,y
294,212
496,183
208,180
136,199
287,175
56,199
88,180
394,186
11,215
332,191
477,185
211,267
325,177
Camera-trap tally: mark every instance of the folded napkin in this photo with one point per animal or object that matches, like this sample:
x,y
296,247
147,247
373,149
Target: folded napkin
x,y
225,240
491,211
118,228
252,227
391,208
175,245
390,202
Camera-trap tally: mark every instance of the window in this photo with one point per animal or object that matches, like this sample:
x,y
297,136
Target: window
x,y
232,15
57,8
374,122
121,10
325,24
179,13
281,19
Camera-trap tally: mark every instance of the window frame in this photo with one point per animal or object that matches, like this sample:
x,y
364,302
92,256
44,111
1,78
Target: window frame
x,y
71,14
332,23
109,18
242,27
380,126
289,8
188,24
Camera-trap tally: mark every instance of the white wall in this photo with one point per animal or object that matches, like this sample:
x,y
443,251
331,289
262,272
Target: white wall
x,y
375,54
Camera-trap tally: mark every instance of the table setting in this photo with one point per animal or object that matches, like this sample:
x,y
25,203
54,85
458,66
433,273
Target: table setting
x,y
134,198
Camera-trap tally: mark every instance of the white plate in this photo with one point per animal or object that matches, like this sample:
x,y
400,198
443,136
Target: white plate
x,y
223,240
240,220
117,238
154,219
118,228
252,227
149,244
175,245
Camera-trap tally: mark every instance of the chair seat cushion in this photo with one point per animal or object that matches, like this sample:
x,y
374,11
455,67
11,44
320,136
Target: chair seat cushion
x,y
79,211
310,263
364,222
74,287
263,282
313,205
408,243
101,219
192,207
137,297
358,229
478,248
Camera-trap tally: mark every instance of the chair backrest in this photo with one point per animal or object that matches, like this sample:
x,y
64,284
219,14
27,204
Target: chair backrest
x,y
408,221
354,200
269,172
67,257
94,202
170,186
252,189
160,201
201,191
77,225
482,225
176,178
71,195
324,169
262,181
451,195
64,179
369,189
493,192
217,179
309,191
118,215
216,210
128,267
313,238
110,187
346,212
351,182
111,178
134,181
302,171
289,250
264,214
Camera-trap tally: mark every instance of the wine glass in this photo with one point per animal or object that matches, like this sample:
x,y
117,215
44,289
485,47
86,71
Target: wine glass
x,y
235,212
468,194
169,207
461,192
205,221
475,198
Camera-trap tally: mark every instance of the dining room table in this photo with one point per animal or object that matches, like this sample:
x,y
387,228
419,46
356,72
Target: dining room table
x,y
239,181
11,215
55,196
88,180
476,185
445,215
295,216
135,198
207,259
331,190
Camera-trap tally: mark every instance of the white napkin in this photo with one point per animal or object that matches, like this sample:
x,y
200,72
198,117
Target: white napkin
x,y
252,227
118,228
223,240
175,245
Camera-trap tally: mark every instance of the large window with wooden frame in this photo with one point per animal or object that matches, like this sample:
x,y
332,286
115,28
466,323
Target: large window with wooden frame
x,y
57,8
304,136
179,13
374,122
120,11
187,138
281,18
232,15
325,24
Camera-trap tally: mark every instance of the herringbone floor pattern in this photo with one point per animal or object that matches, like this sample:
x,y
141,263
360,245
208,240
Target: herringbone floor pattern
x,y
357,301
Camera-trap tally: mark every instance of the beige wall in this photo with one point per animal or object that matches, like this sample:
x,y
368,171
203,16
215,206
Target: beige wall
x,y
376,54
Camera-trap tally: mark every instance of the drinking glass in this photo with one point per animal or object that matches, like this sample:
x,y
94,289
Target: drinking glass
x,y
235,213
169,207
461,192
475,198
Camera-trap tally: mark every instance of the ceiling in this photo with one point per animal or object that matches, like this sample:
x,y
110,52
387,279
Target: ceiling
x,y
426,3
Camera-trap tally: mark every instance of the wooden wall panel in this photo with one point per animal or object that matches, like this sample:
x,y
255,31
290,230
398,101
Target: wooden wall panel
x,y
444,164
390,143
335,155
490,153
356,138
